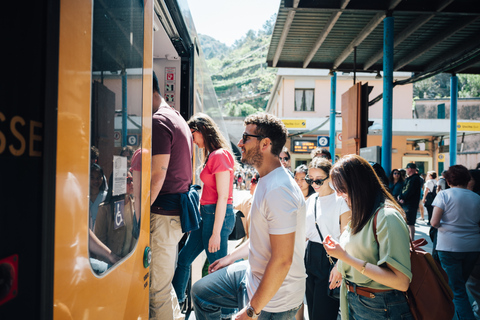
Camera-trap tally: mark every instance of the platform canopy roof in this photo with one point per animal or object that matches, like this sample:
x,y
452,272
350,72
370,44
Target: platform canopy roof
x,y
430,36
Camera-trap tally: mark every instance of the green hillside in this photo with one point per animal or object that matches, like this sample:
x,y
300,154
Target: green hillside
x,y
239,73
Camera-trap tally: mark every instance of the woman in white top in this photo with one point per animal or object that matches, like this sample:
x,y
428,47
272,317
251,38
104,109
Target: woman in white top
x,y
428,193
326,214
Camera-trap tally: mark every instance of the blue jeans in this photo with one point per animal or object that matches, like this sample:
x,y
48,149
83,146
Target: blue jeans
x,y
197,242
386,305
227,288
458,266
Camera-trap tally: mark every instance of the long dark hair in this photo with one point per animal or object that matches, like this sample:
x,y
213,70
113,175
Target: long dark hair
x,y
95,167
355,177
212,136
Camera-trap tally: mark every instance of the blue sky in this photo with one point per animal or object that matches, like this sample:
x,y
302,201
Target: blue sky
x,y
229,20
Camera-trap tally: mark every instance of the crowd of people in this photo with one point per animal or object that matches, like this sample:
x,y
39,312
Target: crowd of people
x,y
335,236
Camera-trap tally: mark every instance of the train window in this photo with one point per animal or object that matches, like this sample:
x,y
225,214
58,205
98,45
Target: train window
x,y
116,128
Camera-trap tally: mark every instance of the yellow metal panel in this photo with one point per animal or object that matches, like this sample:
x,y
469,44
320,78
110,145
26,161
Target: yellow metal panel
x,y
468,126
78,292
295,123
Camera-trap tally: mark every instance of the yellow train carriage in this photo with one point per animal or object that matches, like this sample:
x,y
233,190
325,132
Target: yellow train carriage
x,y
76,94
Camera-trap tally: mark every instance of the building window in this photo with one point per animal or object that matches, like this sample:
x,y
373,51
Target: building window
x,y
304,99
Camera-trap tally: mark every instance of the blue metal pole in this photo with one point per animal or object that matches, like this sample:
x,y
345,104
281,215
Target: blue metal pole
x,y
333,97
453,119
124,108
387,94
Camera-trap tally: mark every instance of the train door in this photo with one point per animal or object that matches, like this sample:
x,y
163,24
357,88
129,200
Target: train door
x,y
101,204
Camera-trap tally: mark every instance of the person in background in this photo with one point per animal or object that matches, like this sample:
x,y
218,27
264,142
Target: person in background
x,y
127,151
473,283
456,215
395,183
410,197
285,160
98,192
246,205
421,206
376,271
327,214
430,186
216,202
322,153
171,182
271,283
300,174
442,183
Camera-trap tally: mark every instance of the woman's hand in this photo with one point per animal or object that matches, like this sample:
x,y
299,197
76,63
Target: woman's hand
x,y
214,243
333,248
335,278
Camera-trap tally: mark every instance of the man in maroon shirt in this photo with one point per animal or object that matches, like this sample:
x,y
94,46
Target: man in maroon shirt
x,y
171,176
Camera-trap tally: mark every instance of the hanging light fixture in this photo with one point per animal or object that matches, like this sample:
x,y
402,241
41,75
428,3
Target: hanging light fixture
x,y
378,76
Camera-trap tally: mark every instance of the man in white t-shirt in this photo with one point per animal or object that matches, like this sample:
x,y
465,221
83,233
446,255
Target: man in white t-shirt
x,y
271,284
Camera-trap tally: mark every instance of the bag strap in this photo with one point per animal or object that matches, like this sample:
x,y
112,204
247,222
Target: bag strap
x,y
316,224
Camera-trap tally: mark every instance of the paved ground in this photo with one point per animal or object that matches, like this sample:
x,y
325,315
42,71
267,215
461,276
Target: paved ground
x,y
421,231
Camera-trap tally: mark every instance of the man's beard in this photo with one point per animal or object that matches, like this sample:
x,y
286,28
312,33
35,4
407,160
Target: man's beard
x,y
253,157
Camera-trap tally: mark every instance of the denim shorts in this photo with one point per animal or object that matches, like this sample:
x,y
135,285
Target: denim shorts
x,y
385,305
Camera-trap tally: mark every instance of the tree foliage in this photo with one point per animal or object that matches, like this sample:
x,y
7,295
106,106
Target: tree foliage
x,y
240,75
438,86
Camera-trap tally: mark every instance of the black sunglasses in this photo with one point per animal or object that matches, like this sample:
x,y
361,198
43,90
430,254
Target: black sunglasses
x,y
246,135
129,179
284,159
318,182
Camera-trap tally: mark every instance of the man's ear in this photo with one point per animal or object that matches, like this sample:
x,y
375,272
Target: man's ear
x,y
266,144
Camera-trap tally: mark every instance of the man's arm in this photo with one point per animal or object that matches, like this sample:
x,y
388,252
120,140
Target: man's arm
x,y
159,172
276,270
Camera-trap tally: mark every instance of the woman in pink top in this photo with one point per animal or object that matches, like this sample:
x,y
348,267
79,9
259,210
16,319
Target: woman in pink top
x,y
215,203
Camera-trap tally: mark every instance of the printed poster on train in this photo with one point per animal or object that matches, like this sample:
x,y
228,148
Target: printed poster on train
x,y
170,86
119,175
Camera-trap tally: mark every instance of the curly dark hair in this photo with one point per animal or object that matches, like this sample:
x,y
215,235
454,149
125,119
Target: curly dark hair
x,y
457,175
270,127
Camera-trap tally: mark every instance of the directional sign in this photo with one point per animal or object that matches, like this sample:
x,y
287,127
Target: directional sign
x,y
323,141
132,139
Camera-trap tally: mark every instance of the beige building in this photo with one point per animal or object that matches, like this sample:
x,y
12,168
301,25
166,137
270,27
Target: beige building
x,y
301,97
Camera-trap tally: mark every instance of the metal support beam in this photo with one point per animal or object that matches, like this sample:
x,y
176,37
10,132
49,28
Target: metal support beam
x,y
387,125
286,29
411,28
124,108
333,103
359,38
325,31
450,31
453,119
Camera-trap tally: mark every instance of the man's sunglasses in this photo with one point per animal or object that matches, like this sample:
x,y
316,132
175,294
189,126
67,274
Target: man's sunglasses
x,y
318,182
284,159
246,135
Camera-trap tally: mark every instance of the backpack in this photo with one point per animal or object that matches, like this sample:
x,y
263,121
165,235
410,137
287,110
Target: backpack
x,y
431,195
429,295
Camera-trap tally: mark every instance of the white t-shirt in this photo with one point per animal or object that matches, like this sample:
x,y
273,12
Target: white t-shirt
x,y
459,230
329,210
278,208
430,185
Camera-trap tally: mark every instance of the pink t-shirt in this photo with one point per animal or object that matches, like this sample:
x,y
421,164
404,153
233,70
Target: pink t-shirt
x,y
219,160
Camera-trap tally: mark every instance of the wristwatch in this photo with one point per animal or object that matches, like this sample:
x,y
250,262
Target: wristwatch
x,y
251,312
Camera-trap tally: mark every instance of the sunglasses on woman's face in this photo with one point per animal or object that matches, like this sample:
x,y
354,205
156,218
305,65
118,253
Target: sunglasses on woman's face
x,y
284,159
318,182
129,179
396,173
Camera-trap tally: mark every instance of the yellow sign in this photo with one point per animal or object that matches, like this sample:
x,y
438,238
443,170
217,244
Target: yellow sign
x,y
293,123
441,157
468,126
